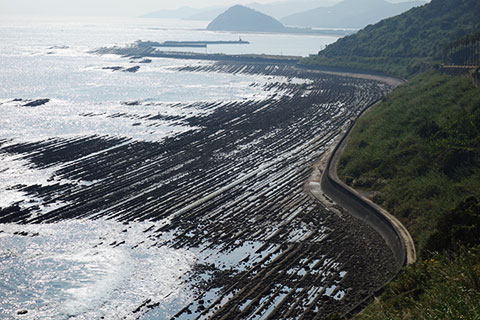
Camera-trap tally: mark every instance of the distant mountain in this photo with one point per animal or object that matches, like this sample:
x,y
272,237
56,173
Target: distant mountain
x,y
282,9
275,9
405,44
206,15
240,18
349,14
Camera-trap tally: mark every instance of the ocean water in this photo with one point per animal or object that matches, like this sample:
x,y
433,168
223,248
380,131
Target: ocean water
x,y
75,269
71,270
49,58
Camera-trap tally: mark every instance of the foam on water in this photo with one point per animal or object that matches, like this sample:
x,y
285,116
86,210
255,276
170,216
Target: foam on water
x,y
87,270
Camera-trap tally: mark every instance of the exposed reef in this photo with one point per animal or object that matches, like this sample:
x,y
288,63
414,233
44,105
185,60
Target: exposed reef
x,y
234,188
131,69
36,103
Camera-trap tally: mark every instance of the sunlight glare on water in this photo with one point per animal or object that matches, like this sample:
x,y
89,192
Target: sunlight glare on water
x,y
87,270
92,269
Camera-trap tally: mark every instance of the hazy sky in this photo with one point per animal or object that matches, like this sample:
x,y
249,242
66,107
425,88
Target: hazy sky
x,y
103,7
108,7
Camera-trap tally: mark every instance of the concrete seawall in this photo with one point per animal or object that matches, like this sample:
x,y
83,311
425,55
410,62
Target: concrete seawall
x,y
326,186
356,205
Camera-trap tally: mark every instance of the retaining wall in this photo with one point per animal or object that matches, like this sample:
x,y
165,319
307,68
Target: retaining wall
x,y
363,209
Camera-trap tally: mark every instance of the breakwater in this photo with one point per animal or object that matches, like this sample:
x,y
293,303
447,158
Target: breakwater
x,y
187,44
148,49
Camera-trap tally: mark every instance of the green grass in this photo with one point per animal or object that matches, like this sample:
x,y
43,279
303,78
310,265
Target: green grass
x,y
437,288
418,153
419,149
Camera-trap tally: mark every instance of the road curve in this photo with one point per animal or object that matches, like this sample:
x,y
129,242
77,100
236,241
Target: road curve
x,y
325,185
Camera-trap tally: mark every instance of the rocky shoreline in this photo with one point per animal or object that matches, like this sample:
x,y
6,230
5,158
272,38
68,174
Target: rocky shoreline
x,y
235,188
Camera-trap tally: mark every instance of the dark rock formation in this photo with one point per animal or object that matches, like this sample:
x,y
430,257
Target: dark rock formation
x,y
132,69
36,103
112,68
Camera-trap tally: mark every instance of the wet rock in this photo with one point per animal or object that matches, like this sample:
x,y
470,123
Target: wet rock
x,y
113,68
21,233
145,303
131,103
36,103
26,234
58,47
120,243
153,305
254,210
132,69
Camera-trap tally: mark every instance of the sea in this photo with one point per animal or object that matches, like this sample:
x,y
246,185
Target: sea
x,y
62,270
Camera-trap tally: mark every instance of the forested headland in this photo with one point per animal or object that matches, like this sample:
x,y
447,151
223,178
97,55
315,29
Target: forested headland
x,y
417,152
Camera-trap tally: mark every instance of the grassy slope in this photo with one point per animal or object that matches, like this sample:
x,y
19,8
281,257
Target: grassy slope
x,y
418,153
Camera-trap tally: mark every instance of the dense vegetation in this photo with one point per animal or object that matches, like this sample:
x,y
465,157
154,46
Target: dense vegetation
x,y
417,153
464,51
406,44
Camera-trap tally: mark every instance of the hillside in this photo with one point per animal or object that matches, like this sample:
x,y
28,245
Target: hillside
x,y
405,44
240,18
349,14
418,155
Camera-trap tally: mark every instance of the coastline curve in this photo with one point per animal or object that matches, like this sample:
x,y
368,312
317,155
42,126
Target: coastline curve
x,y
326,186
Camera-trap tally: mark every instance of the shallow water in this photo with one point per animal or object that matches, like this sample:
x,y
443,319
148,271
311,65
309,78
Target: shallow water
x,y
76,270
85,269
48,58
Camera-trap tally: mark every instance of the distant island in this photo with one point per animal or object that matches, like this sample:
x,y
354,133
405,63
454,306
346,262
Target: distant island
x,y
240,18
290,16
277,10
243,19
